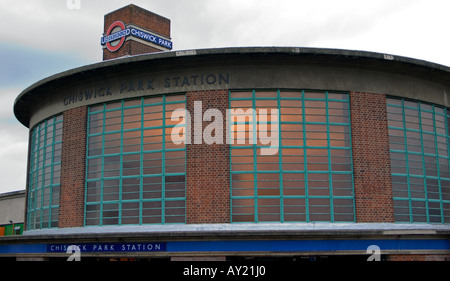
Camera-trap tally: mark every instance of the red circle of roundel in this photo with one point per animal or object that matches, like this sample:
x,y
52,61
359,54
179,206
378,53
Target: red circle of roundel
x,y
117,47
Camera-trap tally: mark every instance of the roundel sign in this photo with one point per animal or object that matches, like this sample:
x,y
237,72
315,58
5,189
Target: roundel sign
x,y
115,36
117,33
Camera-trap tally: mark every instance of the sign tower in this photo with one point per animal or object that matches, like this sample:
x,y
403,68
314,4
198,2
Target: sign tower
x,y
132,30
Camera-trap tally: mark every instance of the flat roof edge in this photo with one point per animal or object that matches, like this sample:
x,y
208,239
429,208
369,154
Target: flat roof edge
x,y
295,51
249,229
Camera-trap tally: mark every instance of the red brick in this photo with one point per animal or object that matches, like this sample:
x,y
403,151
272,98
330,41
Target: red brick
x,y
418,257
28,179
137,16
371,159
208,167
73,167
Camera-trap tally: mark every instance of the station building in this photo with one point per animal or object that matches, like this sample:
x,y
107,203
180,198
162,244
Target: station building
x,y
229,153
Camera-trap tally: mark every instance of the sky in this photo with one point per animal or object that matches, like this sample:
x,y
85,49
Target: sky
x,y
39,38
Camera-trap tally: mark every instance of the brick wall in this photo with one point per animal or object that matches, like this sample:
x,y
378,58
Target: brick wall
x,y
418,257
27,184
73,167
371,160
140,17
207,167
137,16
129,48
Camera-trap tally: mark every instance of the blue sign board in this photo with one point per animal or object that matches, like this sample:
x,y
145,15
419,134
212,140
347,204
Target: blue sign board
x,y
307,245
151,38
234,246
109,247
138,34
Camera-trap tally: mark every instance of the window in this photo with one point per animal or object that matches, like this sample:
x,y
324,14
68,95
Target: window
x,y
308,177
45,174
419,150
135,173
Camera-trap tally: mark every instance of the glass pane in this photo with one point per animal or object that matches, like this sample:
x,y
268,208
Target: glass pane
x,y
45,173
311,125
125,163
420,188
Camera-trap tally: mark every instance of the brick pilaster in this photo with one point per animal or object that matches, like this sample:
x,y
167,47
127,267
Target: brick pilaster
x,y
27,184
207,166
73,168
371,159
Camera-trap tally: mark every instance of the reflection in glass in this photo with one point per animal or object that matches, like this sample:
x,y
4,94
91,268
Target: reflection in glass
x,y
45,173
132,164
418,141
312,169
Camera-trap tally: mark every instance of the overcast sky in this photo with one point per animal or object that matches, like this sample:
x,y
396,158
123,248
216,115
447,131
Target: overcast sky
x,y
39,38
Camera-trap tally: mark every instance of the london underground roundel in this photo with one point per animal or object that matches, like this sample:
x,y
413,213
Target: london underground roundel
x,y
115,36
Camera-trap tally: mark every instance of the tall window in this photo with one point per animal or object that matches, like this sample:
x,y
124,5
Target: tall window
x,y
44,174
135,173
308,177
419,150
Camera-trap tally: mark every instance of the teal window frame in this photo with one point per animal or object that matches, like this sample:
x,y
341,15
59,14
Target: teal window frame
x,y
122,208
419,151
253,210
44,180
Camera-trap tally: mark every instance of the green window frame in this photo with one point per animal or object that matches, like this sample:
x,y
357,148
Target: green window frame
x,y
135,174
419,152
45,174
310,178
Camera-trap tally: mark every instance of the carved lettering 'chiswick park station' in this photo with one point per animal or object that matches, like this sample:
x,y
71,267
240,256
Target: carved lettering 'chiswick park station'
x,y
135,87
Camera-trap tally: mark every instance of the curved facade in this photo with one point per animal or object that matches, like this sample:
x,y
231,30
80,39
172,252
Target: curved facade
x,y
238,136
